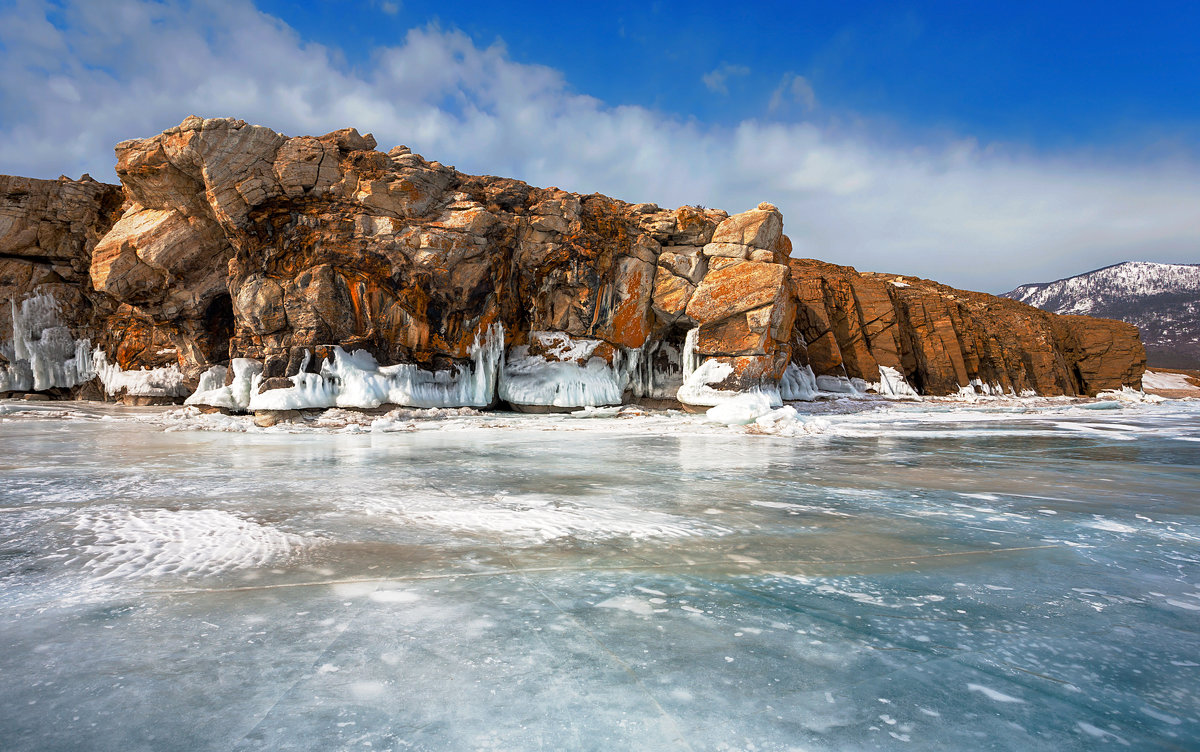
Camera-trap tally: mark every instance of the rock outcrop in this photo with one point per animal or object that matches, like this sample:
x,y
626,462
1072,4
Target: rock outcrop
x,y
320,258
942,339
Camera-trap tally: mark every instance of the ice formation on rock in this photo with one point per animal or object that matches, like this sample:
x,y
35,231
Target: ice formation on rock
x,y
699,375
657,371
798,383
842,385
42,354
355,379
165,381
892,383
557,370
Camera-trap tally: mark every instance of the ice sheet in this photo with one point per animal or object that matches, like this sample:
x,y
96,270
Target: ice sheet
x,y
841,574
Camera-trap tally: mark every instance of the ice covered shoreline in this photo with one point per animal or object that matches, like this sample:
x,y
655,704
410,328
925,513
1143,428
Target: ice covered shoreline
x,y
748,414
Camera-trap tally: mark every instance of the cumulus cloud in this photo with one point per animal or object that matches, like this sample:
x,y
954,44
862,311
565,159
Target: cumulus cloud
x,y
717,80
950,209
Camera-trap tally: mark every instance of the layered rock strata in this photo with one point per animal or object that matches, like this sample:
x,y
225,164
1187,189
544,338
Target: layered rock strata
x,y
267,272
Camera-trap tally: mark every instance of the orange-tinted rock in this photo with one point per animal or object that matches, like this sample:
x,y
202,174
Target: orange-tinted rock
x,y
671,295
942,339
735,289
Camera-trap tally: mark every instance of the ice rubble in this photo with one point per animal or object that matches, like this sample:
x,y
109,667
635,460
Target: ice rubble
x,y
1127,395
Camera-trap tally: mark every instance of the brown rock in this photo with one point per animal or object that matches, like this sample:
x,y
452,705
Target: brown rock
x,y
724,292
671,295
232,240
757,228
268,418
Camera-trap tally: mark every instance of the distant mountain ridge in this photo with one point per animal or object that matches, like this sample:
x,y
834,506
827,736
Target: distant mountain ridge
x,y
1162,300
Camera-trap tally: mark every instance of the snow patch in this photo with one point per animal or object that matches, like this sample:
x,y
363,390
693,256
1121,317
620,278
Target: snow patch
x,y
1156,380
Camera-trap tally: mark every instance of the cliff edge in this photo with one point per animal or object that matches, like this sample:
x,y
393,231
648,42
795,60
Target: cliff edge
x,y
257,271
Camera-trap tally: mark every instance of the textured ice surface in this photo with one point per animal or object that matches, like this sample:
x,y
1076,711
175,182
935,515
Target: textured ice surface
x,y
853,575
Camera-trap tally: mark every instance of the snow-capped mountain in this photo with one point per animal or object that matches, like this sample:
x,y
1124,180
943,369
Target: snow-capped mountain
x,y
1163,300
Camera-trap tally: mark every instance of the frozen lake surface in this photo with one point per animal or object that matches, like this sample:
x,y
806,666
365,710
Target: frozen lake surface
x,y
1005,575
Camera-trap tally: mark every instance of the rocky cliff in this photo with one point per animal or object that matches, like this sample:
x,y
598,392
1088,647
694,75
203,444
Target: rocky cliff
x,y
1161,300
268,272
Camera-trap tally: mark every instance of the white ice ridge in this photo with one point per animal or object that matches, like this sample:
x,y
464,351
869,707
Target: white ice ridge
x,y
166,381
42,353
568,375
357,380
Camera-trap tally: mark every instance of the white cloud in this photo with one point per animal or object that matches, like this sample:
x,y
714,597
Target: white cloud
x,y
716,80
979,217
793,88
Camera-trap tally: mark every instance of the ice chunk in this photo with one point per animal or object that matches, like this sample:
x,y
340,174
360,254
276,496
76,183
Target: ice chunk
x,y
798,383
741,409
213,378
247,374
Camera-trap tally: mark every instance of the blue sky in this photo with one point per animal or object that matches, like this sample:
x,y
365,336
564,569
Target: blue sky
x,y
1046,75
981,144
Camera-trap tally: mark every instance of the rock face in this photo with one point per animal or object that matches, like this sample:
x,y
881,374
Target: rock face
x,y
942,339
1162,300
322,258
48,230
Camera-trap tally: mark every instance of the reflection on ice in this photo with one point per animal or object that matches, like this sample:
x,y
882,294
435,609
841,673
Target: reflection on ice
x,y
1019,575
